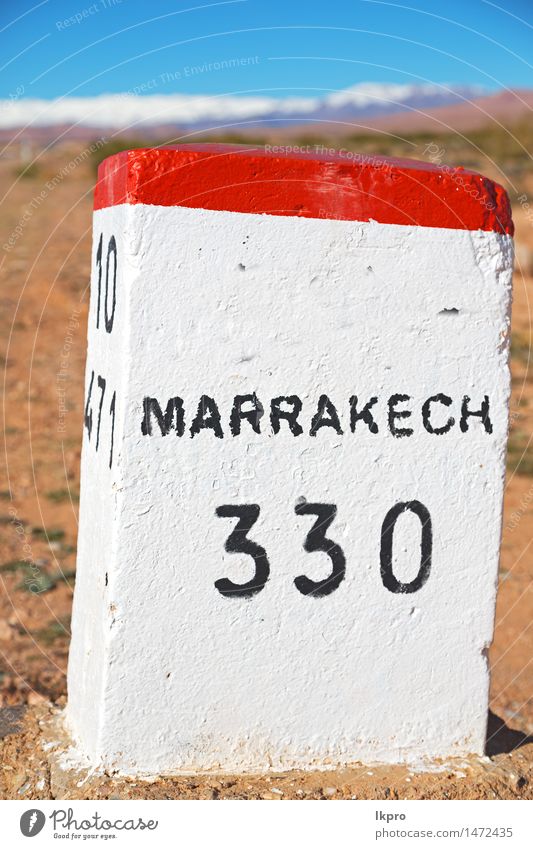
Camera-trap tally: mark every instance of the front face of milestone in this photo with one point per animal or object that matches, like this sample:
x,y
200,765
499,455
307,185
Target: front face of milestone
x,y
292,483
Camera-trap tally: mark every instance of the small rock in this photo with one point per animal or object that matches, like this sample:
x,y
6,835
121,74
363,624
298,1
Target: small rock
x,y
329,791
11,719
35,698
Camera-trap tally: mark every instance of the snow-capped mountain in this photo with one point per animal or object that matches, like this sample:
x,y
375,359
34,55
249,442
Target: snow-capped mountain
x,y
131,111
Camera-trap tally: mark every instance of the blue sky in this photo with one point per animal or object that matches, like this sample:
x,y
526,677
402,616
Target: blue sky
x,y
286,48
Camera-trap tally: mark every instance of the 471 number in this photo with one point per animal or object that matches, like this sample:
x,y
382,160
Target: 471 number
x,y
88,414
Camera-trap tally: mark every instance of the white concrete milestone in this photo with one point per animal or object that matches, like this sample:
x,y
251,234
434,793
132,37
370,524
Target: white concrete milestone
x,y
292,480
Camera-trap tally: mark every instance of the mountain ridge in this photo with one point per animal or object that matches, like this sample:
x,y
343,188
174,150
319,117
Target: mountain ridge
x,y
124,111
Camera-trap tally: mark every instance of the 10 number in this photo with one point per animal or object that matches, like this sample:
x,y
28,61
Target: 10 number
x,y
111,255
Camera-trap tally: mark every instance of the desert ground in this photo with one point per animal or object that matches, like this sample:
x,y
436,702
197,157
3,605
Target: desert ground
x,y
44,281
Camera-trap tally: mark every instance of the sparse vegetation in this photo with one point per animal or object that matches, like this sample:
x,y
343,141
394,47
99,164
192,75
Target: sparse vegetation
x,y
58,496
14,566
520,453
521,348
49,534
28,172
56,629
41,582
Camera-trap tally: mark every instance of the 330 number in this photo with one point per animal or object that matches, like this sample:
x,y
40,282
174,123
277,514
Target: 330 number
x,y
316,540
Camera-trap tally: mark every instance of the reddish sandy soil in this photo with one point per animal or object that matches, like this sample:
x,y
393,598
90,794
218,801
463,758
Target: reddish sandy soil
x,y
43,291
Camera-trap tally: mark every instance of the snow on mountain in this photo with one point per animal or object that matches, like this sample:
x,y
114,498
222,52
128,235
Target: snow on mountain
x,y
131,111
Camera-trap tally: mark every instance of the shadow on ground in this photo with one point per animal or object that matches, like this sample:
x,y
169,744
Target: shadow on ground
x,y
502,740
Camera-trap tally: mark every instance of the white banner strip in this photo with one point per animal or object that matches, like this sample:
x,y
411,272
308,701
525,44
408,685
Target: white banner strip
x,y
246,824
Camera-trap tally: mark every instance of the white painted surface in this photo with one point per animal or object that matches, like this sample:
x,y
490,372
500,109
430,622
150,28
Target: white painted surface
x,y
165,673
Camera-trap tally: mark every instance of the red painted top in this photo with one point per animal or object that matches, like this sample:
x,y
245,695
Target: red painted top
x,y
345,186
